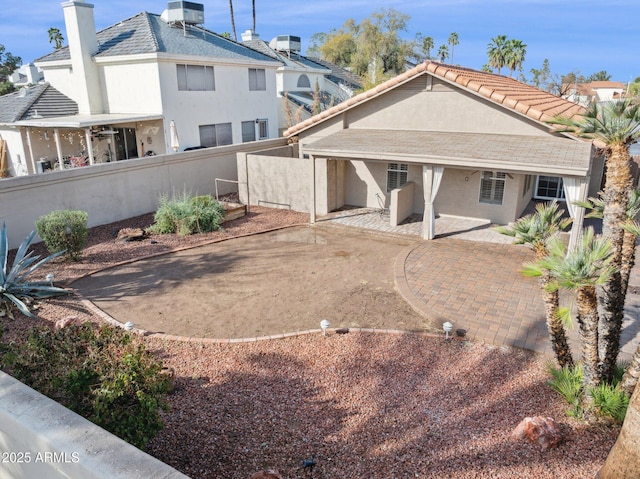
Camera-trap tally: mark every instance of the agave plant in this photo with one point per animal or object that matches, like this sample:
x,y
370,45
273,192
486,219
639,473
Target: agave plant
x,y
15,290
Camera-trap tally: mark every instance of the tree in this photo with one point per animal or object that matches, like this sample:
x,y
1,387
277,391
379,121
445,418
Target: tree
x,y
541,77
233,21
602,75
427,45
8,64
535,230
496,51
615,125
372,49
514,54
580,270
443,53
55,37
453,41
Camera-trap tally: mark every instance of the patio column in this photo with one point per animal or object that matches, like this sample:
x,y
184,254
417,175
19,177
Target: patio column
x,y
575,189
30,145
312,206
428,230
56,136
87,136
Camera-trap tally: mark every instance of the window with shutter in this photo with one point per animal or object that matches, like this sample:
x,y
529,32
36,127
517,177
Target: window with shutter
x,y
492,187
396,175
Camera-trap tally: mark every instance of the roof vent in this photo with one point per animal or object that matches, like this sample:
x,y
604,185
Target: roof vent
x,y
187,13
286,43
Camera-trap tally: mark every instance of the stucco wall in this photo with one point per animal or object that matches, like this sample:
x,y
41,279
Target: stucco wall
x,y
112,191
131,87
17,160
41,438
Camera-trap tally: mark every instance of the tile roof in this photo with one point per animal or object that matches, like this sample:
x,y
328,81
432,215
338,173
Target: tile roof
x,y
340,75
147,33
525,99
40,101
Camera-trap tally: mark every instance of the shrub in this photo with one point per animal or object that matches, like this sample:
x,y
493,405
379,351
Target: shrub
x,y
187,215
610,401
568,383
15,289
102,373
64,230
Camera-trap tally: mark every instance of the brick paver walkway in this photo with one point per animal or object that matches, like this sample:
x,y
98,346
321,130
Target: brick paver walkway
x,y
470,276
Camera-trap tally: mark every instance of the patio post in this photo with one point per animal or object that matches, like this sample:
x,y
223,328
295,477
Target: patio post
x,y
56,136
427,184
87,135
30,145
312,209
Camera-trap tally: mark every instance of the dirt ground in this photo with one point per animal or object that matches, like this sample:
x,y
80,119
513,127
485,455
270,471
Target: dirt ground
x,y
278,282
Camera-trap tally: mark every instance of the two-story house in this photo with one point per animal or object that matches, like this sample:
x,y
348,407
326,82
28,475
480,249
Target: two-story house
x,y
150,84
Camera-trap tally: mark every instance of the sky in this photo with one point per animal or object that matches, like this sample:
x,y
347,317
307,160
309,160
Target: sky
x,y
583,37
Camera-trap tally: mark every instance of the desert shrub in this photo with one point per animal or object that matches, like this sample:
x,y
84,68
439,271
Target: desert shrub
x,y
568,383
16,288
64,230
187,215
103,373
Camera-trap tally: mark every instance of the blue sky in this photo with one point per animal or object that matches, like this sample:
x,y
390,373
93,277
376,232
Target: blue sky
x,y
584,37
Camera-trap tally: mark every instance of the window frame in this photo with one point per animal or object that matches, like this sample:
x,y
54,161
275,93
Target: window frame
x,y
218,130
207,83
495,183
397,175
257,79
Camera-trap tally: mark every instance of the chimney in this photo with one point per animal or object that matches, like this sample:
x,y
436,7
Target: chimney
x,y
83,43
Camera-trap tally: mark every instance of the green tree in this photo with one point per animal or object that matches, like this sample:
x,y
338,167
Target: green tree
x,y
580,270
55,37
8,64
443,53
427,45
602,75
496,50
514,55
615,126
542,76
453,41
535,230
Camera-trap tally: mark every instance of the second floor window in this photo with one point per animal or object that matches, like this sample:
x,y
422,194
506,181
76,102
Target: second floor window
x,y
257,79
196,78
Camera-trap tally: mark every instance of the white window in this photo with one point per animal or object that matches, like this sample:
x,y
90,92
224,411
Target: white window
x,y
549,188
492,187
263,129
216,135
196,78
396,175
257,79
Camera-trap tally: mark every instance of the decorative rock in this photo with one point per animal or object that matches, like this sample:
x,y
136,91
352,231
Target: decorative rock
x,y
131,234
541,430
266,474
342,331
64,322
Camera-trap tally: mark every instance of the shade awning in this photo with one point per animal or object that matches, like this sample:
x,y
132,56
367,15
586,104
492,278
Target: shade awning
x,y
554,156
86,121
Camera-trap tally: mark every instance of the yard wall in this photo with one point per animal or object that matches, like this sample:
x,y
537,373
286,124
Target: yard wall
x,y
41,438
114,191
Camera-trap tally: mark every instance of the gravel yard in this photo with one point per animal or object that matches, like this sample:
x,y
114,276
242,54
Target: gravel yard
x,y
364,405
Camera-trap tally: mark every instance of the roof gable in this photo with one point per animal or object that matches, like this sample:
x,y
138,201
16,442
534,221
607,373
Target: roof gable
x,y
146,33
40,101
525,99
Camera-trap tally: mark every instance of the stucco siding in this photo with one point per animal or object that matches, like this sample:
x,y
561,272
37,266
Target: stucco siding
x,y
444,108
131,88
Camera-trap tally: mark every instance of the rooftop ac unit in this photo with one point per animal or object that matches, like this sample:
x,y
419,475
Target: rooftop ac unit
x,y
185,12
286,43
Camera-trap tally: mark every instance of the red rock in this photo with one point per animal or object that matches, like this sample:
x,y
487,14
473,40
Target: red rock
x,y
540,430
64,322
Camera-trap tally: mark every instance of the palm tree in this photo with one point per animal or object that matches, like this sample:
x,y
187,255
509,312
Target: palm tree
x,y
253,10
233,21
496,51
55,37
453,41
427,45
515,52
580,270
535,230
614,126
443,53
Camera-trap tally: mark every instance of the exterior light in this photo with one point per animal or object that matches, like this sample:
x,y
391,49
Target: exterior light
x,y
128,326
447,327
324,324
49,277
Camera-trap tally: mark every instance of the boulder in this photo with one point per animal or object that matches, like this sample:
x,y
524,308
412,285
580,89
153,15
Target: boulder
x,y
131,234
543,431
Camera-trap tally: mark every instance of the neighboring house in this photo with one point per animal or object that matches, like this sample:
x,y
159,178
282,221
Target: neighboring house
x,y
445,140
597,91
304,84
26,75
130,82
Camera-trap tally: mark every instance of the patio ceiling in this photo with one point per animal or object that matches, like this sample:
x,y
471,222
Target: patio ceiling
x,y
85,121
547,155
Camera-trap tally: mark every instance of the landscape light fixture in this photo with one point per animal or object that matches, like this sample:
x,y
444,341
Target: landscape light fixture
x,y
447,327
324,324
49,277
128,326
